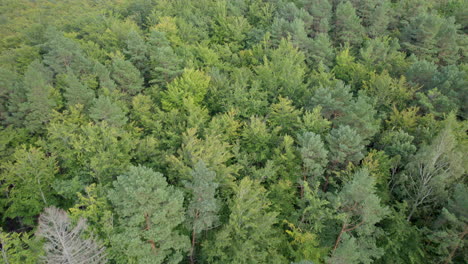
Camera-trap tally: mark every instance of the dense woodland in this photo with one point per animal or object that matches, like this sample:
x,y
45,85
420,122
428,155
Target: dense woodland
x,y
233,131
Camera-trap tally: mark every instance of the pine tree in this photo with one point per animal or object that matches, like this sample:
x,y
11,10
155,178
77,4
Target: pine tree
x,y
148,213
165,64
338,105
379,18
321,50
451,228
345,146
137,51
104,109
63,54
448,49
250,235
348,28
41,97
334,101
314,157
419,36
203,207
360,211
28,181
76,92
126,76
321,11
9,89
64,243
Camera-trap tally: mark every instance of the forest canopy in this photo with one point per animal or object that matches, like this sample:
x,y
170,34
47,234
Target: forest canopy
x,y
242,131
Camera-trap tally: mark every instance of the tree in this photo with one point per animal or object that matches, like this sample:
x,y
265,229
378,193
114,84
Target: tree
x,y
321,11
137,51
11,96
452,227
250,235
76,92
379,19
87,152
28,181
105,110
64,243
93,206
314,121
314,158
333,100
216,154
433,170
321,50
388,92
448,39
19,248
348,26
419,36
283,73
360,210
64,54
345,146
203,207
192,86
126,76
148,213
284,116
256,141
339,106
165,65
383,53
40,95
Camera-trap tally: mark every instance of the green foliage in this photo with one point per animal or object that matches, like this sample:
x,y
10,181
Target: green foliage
x,y
19,248
433,170
87,151
345,146
284,124
105,110
41,97
148,213
95,208
451,228
28,180
165,65
191,86
314,156
77,92
283,72
306,245
284,116
63,53
203,208
242,240
388,92
360,210
256,140
347,24
126,76
338,105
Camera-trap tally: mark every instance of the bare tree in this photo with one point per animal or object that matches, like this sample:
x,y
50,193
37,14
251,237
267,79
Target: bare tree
x,y
433,169
64,242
